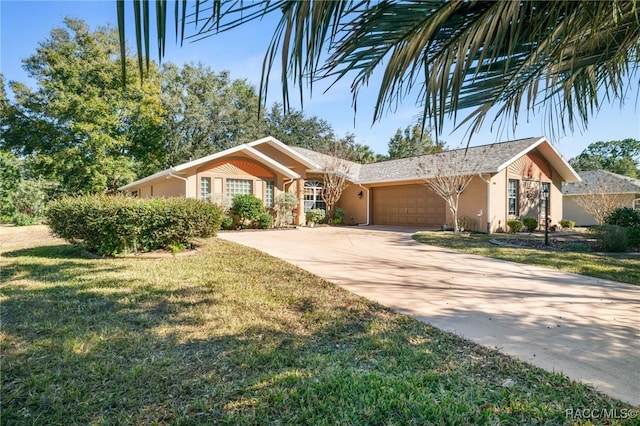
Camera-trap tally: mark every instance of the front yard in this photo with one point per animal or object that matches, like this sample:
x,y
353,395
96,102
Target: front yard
x,y
618,267
233,336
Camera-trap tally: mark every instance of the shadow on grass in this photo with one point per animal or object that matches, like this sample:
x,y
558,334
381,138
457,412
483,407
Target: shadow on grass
x,y
90,342
613,267
60,251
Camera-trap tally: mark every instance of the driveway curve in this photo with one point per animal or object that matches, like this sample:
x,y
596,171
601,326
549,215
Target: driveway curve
x,y
586,328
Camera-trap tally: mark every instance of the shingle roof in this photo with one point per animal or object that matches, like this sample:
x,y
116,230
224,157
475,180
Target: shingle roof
x,y
602,181
486,159
322,160
490,158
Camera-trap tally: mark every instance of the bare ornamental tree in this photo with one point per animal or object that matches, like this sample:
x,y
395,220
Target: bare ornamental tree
x,y
448,174
599,203
335,180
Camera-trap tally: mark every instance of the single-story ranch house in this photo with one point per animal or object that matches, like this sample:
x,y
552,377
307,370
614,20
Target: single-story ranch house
x,y
624,190
509,178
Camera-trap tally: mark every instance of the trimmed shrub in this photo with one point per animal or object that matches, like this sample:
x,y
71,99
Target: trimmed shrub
x,y
531,223
247,207
628,218
228,223
515,225
285,203
112,225
623,216
566,223
22,219
264,221
611,238
634,237
338,215
316,215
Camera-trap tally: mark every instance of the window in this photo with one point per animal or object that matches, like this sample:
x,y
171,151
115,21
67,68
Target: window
x,y
512,194
205,189
636,204
268,195
238,187
543,201
313,196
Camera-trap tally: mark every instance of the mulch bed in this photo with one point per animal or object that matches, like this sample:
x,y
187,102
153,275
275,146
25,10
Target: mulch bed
x,y
564,242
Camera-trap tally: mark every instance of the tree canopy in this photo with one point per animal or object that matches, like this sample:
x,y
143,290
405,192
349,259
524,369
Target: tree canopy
x,y
413,142
206,112
489,56
621,157
78,127
293,128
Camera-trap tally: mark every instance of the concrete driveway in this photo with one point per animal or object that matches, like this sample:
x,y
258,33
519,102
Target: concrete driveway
x,y
587,328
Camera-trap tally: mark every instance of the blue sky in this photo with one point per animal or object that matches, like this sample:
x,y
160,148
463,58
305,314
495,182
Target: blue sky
x,y
24,23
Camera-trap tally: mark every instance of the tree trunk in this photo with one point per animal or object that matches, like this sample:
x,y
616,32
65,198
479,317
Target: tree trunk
x,y
454,210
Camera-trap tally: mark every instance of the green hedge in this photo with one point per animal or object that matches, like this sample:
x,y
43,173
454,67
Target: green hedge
x,y
566,223
515,225
611,238
629,219
531,223
110,225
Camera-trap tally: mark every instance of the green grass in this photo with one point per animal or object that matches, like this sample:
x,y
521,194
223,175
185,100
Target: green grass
x,y
233,336
612,267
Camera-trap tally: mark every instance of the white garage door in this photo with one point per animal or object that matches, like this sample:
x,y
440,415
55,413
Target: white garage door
x,y
407,205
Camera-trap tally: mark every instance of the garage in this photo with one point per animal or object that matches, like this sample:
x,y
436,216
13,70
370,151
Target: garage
x,y
410,205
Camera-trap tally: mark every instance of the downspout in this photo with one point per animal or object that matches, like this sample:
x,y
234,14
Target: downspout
x,y
488,182
186,182
284,187
368,205
287,182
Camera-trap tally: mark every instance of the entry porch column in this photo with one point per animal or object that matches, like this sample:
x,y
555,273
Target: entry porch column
x,y
300,216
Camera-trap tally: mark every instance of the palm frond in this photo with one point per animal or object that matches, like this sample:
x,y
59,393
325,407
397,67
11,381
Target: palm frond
x,y
452,55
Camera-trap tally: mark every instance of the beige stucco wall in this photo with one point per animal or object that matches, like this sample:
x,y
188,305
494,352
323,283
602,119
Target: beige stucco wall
x,y
355,208
573,211
472,200
144,191
530,171
237,167
498,212
171,187
192,186
219,171
555,205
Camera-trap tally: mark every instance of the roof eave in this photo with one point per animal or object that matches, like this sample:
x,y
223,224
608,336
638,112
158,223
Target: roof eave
x,y
154,177
257,155
280,146
575,194
247,148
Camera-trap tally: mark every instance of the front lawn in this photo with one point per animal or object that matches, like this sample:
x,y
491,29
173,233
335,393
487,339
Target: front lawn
x,y
623,268
233,336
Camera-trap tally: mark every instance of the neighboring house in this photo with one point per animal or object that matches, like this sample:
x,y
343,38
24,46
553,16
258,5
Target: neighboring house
x,y
508,181
604,187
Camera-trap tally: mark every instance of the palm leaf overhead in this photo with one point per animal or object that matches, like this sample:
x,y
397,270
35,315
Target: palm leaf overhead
x,y
488,56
